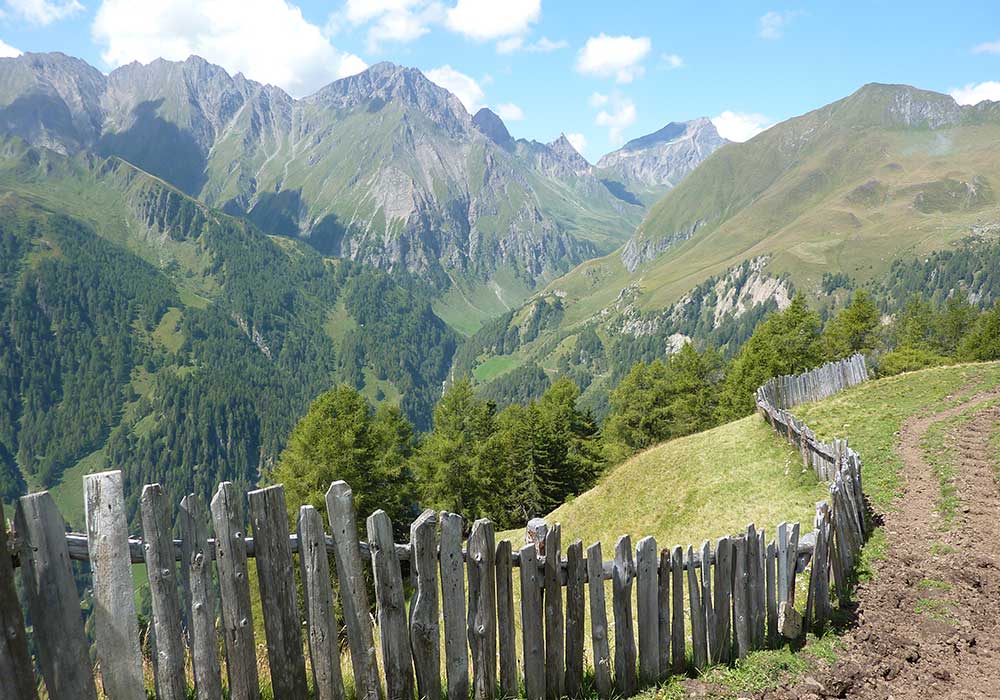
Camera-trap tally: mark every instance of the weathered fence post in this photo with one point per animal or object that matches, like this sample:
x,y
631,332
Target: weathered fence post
x,y
116,629
425,633
707,603
278,598
721,653
456,645
598,621
353,592
53,603
663,614
622,573
677,643
234,590
158,545
555,652
772,601
647,610
741,596
391,608
320,604
531,625
482,609
506,629
575,571
196,574
698,639
17,676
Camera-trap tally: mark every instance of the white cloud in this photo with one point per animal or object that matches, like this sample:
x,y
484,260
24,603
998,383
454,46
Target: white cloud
x,y
987,47
974,93
510,112
671,61
391,20
461,85
44,11
620,115
578,140
268,40
489,19
618,56
740,126
8,51
597,99
773,24
517,43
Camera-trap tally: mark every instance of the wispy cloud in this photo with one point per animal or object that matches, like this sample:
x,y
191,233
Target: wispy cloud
x,y
619,57
773,24
671,61
464,87
619,113
517,43
987,47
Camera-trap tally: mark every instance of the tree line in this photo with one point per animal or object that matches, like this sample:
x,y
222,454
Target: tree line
x,y
527,458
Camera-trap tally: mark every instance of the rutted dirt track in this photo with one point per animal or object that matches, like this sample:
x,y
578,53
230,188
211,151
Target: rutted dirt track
x,y
928,625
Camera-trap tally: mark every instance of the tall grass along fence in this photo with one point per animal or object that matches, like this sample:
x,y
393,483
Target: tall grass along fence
x,y
671,609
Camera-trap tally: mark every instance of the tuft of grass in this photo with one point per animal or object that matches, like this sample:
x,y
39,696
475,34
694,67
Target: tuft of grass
x,y
932,584
940,549
935,609
876,549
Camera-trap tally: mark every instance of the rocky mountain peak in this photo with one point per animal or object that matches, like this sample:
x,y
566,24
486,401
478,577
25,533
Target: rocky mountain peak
x,y
883,104
565,150
659,160
492,126
387,82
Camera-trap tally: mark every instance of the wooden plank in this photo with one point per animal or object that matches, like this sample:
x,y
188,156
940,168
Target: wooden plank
x,y
753,583
791,562
278,597
782,562
555,651
623,572
677,644
507,634
353,591
707,603
391,604
53,602
647,610
722,651
456,645
320,606
425,633
575,574
663,613
17,677
741,595
482,609
531,625
598,621
157,536
698,637
196,574
234,592
116,630
772,600
760,604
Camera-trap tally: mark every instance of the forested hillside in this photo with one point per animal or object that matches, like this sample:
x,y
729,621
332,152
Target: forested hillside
x,y
150,333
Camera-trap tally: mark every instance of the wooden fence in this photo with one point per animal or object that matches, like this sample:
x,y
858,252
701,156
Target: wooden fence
x,y
672,609
788,391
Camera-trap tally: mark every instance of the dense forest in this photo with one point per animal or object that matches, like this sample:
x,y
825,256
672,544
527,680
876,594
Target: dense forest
x,y
99,351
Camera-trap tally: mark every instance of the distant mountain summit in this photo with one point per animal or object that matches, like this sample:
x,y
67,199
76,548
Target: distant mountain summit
x,y
652,164
384,167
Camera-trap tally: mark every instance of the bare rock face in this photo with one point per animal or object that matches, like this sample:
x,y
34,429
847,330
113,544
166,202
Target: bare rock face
x,y
492,127
663,158
789,621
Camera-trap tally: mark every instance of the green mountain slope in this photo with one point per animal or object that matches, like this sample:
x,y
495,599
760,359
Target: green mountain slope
x,y
885,176
189,340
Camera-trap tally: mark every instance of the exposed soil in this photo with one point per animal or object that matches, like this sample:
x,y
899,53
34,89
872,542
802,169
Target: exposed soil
x,y
928,624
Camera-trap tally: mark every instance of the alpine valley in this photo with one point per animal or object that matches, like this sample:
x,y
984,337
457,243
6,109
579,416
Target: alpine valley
x,y
189,258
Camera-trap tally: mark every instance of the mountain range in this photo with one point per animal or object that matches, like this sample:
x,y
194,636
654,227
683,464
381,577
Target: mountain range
x,y
191,257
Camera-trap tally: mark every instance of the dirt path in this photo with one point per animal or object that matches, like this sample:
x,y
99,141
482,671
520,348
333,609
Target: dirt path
x,y
928,625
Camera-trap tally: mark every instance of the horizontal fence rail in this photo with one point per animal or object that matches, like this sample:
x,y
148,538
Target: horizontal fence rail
x,y
735,595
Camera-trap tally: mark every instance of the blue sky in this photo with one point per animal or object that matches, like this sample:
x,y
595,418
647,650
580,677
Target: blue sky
x,y
601,72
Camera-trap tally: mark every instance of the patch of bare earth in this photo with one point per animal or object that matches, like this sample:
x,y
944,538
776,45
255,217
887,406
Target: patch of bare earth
x,y
928,624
